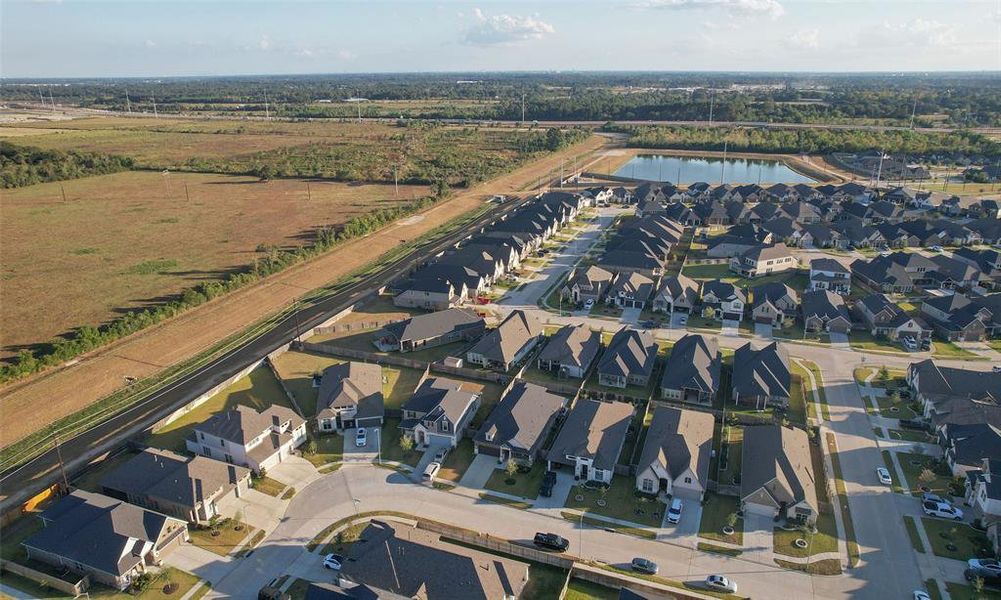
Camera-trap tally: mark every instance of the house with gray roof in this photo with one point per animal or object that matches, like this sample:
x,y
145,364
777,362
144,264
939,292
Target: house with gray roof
x,y
589,283
508,344
774,303
884,318
675,456
184,487
823,310
956,317
966,446
438,412
111,541
517,427
242,436
350,396
676,294
628,360
779,482
431,330
764,260
431,293
570,351
936,386
630,290
829,274
591,439
721,300
693,370
761,378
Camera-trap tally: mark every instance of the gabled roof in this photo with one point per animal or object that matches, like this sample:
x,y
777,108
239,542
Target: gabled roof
x,y
431,325
593,277
760,253
519,420
629,352
509,338
774,292
971,444
678,440
828,265
440,396
781,464
694,364
763,372
572,345
723,290
103,533
824,304
350,384
937,381
242,424
680,286
877,303
595,430
634,285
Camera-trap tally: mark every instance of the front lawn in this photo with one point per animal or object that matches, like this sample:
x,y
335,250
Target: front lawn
x,y
864,340
913,464
959,591
942,349
621,501
169,575
888,461
714,515
955,540
524,485
825,540
266,485
900,409
327,448
912,532
390,445
231,533
457,461
908,435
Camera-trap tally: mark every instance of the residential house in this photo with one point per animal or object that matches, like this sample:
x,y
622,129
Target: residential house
x,y
774,303
517,427
431,330
956,318
676,452
628,360
461,277
591,439
693,370
629,290
829,274
242,436
884,318
438,412
111,541
184,487
723,301
570,351
966,446
899,273
761,378
764,260
779,482
823,310
508,344
350,396
983,493
676,294
935,386
430,293
586,284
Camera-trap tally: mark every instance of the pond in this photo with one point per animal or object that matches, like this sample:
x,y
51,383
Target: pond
x,y
684,170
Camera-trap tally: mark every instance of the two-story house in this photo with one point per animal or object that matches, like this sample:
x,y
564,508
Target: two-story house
x,y
723,301
676,453
829,274
242,436
350,396
764,260
438,412
628,360
884,318
774,303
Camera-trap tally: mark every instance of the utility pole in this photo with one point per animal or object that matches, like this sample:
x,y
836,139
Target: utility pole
x,y
722,166
51,101
267,111
914,109
63,190
128,103
62,467
712,101
523,109
309,196
359,111
187,196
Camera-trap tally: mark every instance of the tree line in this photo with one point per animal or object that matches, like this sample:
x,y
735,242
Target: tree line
x,y
27,165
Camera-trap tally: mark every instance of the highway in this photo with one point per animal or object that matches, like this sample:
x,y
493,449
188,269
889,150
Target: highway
x,y
19,483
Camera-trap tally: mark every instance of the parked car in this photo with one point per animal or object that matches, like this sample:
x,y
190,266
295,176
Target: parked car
x,y
361,437
936,248
909,344
984,567
439,456
642,565
884,476
548,483
551,541
431,470
333,561
649,324
920,595
721,583
589,304
674,512
885,253
930,497
942,510
996,368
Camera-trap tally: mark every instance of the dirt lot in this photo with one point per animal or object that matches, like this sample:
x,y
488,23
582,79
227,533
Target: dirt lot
x,y
122,240
54,394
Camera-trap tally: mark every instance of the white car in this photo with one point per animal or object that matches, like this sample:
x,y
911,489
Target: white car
x,y
431,470
910,344
886,253
985,566
589,304
942,510
936,248
674,513
884,476
361,438
719,583
921,595
333,561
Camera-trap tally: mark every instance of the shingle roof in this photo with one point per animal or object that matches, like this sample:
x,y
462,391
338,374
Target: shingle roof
x,y
572,345
352,384
242,424
431,325
824,304
595,430
519,420
629,352
679,439
439,396
694,364
781,464
763,372
971,444
507,340
937,381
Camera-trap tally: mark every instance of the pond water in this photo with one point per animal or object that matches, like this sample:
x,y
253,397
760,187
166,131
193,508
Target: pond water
x,y
685,169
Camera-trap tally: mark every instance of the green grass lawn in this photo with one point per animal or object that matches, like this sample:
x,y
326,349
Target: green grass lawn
x,y
91,479
825,540
896,410
799,396
329,448
399,384
227,539
912,464
579,589
733,438
541,377
390,446
258,390
622,501
457,461
864,340
912,532
960,591
714,514
545,582
525,485
298,589
708,271
941,349
818,378
519,504
995,345
297,369
854,552
907,435
15,533
888,461
268,486
184,581
969,542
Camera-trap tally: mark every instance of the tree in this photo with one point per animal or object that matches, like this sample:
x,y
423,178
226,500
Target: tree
x,y
978,586
406,444
927,476
731,520
883,375
511,468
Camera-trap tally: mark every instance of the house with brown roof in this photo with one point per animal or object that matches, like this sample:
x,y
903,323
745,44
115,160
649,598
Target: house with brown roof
x,y
242,436
438,412
591,439
518,426
570,351
430,330
779,481
675,456
586,284
508,344
350,396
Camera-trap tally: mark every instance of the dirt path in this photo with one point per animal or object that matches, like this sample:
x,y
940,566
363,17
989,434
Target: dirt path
x,y
31,404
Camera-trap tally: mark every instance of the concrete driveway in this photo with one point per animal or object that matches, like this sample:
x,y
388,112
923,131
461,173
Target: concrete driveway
x,y
686,532
763,330
205,564
479,471
564,483
839,340
730,328
759,540
295,471
426,459
368,452
679,320
258,509
630,316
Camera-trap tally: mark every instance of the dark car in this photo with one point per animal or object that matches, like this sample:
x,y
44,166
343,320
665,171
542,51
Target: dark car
x,y
548,483
914,424
642,565
993,581
551,541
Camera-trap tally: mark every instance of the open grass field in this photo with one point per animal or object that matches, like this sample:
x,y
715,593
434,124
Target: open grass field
x,y
126,240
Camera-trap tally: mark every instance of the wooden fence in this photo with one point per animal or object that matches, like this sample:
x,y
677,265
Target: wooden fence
x,y
47,580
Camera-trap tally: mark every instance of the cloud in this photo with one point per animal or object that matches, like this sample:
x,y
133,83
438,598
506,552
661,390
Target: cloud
x,y
916,32
344,54
805,39
265,43
728,25
769,8
498,30
150,44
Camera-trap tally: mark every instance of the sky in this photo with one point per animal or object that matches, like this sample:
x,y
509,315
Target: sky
x,y
82,38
